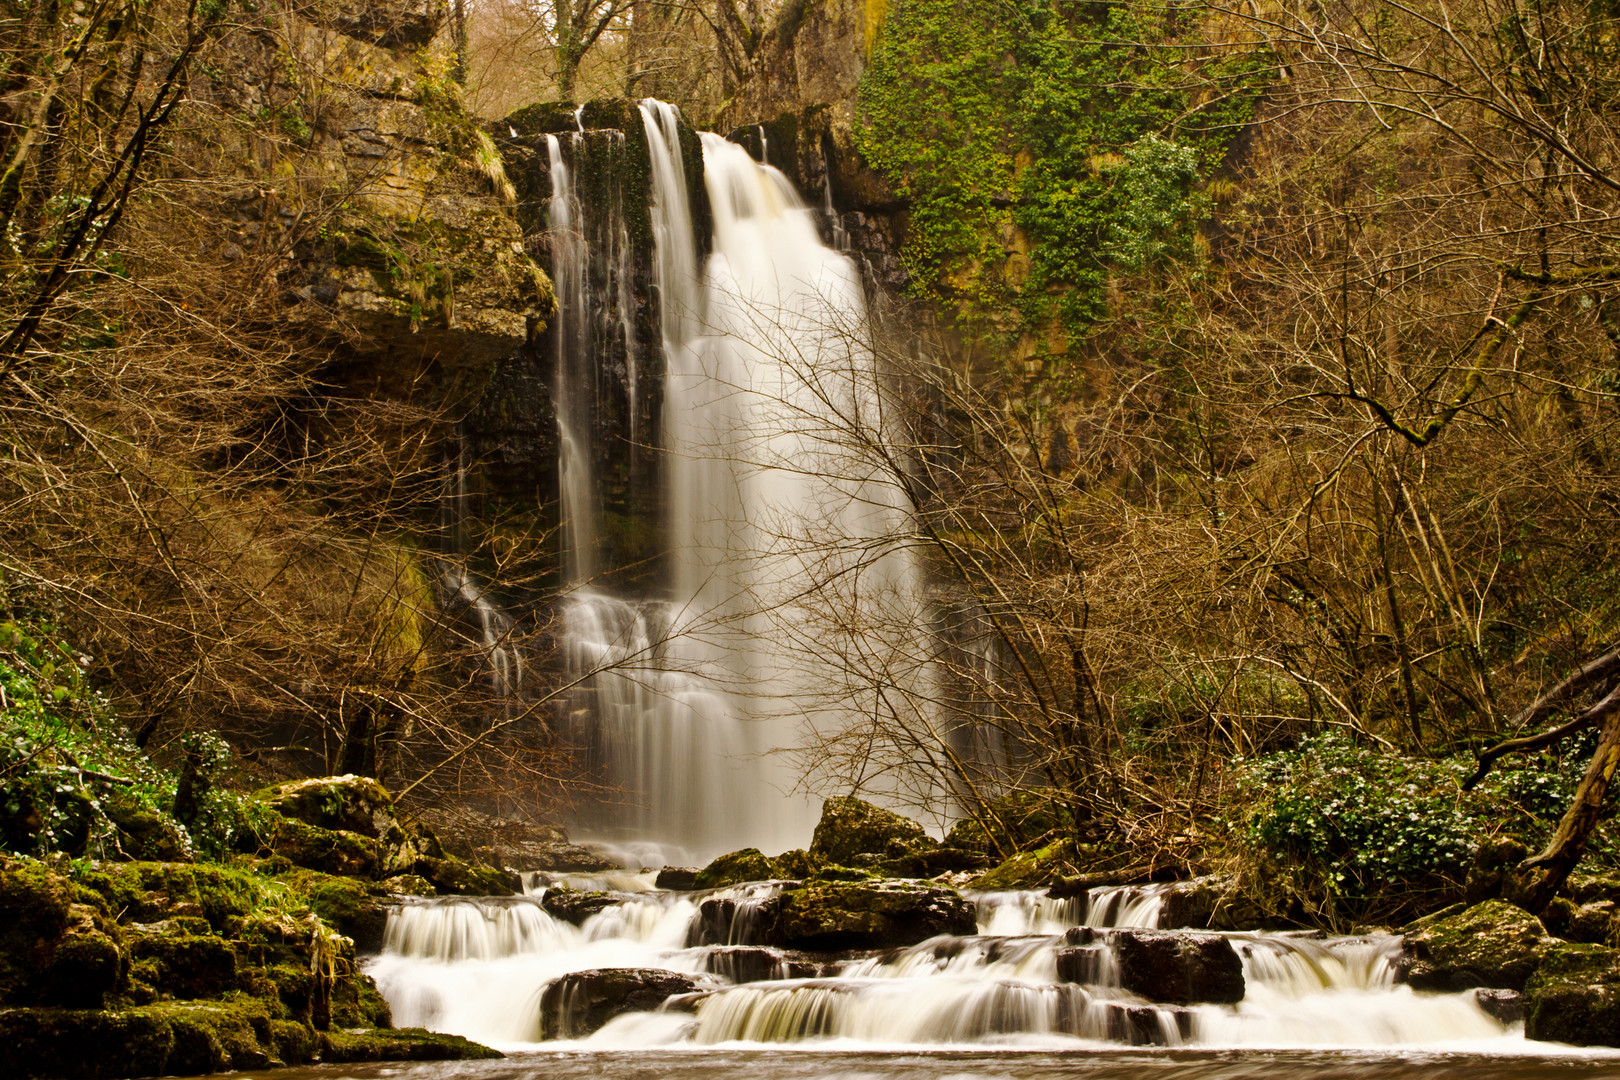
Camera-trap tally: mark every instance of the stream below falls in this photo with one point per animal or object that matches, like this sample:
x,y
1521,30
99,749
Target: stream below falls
x,y
1036,992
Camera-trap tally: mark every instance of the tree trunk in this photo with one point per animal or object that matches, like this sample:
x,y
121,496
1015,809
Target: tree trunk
x,y
1544,874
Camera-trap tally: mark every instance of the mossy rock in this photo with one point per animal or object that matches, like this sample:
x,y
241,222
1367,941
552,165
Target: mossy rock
x,y
1574,997
154,891
1030,869
454,877
357,1003
1011,823
868,915
357,909
184,965
330,851
575,905
736,867
55,950
144,832
83,1044
348,803
851,826
1493,944
400,1044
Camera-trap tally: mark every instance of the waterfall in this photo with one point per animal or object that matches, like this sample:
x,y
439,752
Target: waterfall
x,y
790,611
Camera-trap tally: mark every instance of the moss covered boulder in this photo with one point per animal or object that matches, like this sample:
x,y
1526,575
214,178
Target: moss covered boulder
x,y
868,915
576,905
1030,869
400,1044
736,867
851,827
1492,944
1574,997
55,948
356,909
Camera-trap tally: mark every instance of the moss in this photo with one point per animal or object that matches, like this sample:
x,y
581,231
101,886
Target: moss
x,y
76,1044
749,864
356,909
458,878
869,915
541,118
185,965
1492,944
331,851
151,891
1030,869
34,910
851,826
1574,997
143,832
401,1044
356,1002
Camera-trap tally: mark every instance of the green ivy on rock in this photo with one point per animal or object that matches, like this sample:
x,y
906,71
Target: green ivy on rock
x,y
1044,146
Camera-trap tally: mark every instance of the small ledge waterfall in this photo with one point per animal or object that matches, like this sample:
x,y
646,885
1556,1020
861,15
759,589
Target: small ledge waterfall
x,y
786,558
1038,974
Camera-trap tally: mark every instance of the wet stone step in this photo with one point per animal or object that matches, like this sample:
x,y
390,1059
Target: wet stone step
x,y
580,1003
1175,967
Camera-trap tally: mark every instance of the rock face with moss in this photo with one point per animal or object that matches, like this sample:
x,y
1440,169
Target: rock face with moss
x,y
1492,944
1574,997
146,968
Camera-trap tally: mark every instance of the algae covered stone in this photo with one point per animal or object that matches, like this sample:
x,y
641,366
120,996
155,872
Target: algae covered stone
x,y
1574,997
868,915
734,868
851,826
1493,944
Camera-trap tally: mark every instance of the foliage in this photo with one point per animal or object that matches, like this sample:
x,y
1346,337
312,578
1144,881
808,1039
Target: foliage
x,y
1359,828
1045,146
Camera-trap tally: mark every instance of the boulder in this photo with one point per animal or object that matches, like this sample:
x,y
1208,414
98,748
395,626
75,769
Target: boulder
x,y
678,878
399,1044
179,963
356,804
736,867
1574,997
330,851
1030,869
143,833
1492,944
54,950
1506,1006
580,1003
851,826
1178,968
867,915
356,909
456,878
523,856
1493,868
575,905
744,963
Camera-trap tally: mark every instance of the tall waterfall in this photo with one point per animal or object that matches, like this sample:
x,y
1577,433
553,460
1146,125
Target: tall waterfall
x,y
786,571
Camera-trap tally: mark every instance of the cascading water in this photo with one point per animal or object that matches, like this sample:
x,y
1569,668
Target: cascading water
x,y
1031,977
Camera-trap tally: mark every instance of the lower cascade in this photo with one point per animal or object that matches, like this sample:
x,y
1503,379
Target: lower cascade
x,y
667,968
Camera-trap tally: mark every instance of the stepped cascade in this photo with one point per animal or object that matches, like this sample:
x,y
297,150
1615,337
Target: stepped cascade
x,y
786,543
1036,973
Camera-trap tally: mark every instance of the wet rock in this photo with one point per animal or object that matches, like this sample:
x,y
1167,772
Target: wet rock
x,y
850,827
1178,968
744,963
575,905
678,878
867,915
400,1044
523,857
1492,944
1506,1006
1084,965
356,804
356,909
582,1002
1574,997
736,867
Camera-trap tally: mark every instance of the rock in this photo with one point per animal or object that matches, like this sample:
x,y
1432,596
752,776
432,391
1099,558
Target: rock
x,y
578,1004
1178,968
73,1044
356,804
851,826
745,963
180,964
1507,1006
356,909
678,878
575,905
400,1044
143,833
457,878
1492,944
867,915
1030,869
54,950
391,24
1574,997
736,867
524,856
1492,868
154,891
1012,822
330,851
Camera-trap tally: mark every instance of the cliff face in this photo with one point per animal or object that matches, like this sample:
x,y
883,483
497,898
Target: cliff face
x,y
796,110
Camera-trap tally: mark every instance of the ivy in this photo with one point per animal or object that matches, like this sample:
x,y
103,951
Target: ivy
x,y
1044,146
